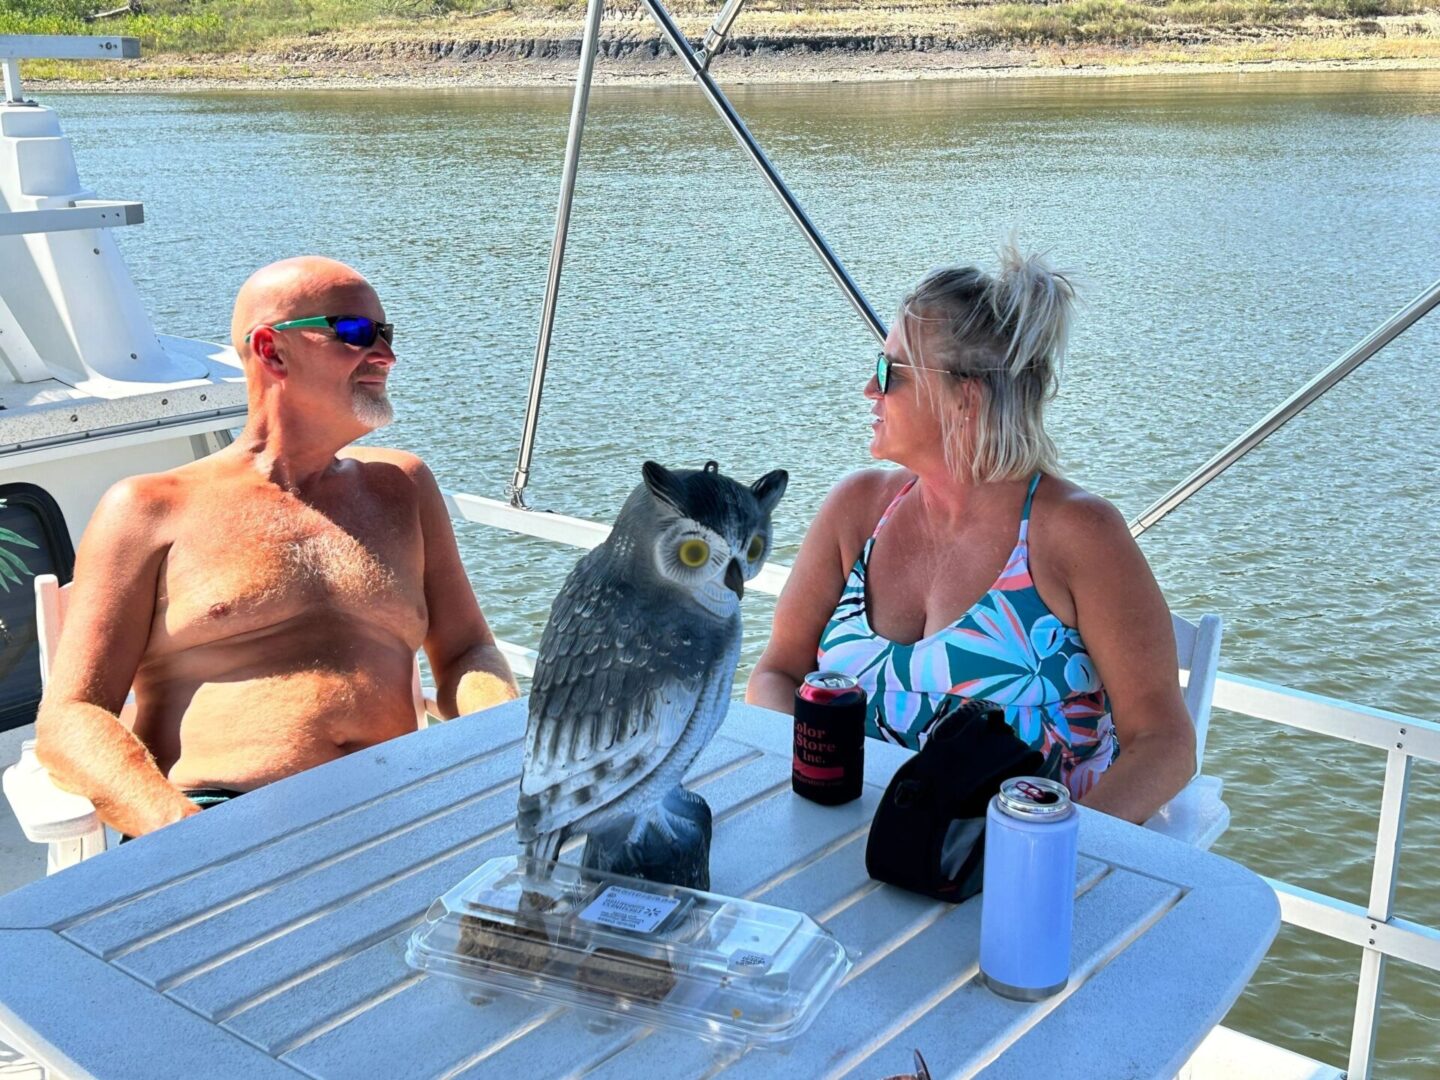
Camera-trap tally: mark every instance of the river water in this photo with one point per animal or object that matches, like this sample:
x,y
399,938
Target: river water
x,y
1233,233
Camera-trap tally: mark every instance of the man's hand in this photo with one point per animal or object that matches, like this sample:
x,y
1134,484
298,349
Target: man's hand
x,y
130,795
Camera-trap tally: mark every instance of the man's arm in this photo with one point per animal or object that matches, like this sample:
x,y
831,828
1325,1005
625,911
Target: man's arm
x,y
470,671
79,737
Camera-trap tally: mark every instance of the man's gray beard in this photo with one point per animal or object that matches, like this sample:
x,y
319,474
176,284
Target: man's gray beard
x,y
374,412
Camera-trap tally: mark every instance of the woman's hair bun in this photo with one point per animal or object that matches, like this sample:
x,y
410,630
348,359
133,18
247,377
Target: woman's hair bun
x,y
1032,302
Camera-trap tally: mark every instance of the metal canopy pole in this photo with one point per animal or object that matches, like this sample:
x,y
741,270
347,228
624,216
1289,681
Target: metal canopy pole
x,y
515,491
718,32
1416,310
588,47
772,176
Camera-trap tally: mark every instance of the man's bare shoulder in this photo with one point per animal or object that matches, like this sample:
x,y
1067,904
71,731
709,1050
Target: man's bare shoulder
x,y
383,459
385,454
144,499
397,474
134,521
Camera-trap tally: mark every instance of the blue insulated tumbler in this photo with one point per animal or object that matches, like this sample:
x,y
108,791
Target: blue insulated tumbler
x,y
1028,903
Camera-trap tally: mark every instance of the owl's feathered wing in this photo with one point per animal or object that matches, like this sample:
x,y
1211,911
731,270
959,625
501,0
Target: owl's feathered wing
x,y
616,684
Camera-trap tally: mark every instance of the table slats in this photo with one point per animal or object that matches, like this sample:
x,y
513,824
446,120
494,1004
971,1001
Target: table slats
x,y
266,937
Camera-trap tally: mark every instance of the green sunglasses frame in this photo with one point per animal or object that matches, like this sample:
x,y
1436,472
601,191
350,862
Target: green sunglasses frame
x,y
323,322
883,364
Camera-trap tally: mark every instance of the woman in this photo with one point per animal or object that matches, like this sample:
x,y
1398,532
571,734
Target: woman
x,y
1069,632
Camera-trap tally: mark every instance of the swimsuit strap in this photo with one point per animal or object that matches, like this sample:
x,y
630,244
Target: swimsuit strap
x,y
1029,502
904,490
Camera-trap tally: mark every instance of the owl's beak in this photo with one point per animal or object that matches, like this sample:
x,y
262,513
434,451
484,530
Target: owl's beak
x,y
735,578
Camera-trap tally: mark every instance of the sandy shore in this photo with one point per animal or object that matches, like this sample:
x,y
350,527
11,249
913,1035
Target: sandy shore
x,y
553,62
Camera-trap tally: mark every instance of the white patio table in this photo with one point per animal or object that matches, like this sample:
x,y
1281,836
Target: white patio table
x,y
265,937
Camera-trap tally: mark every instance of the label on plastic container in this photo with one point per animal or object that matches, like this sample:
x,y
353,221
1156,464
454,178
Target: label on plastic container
x,y
629,909
749,963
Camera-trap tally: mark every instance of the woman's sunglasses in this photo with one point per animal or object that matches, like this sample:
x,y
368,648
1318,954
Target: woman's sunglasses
x,y
351,329
883,364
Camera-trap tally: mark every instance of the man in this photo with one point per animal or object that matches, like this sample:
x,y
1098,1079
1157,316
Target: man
x,y
266,602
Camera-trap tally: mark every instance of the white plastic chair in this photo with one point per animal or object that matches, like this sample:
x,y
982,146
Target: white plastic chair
x,y
47,815
1196,816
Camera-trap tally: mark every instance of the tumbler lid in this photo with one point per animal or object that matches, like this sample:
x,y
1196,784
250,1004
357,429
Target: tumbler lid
x,y
1033,798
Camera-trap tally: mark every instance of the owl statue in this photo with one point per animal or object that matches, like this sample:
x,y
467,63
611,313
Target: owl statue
x,y
634,675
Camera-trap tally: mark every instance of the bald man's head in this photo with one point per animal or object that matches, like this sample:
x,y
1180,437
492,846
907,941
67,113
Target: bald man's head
x,y
293,289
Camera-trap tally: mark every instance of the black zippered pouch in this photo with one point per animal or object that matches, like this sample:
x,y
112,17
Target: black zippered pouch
x,y
928,835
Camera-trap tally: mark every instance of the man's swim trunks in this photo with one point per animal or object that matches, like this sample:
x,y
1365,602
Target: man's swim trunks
x,y
205,798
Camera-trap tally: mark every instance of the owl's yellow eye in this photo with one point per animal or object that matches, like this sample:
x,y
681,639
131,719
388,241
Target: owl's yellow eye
x,y
694,553
756,548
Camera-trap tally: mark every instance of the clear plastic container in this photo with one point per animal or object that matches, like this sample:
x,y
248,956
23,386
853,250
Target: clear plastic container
x,y
724,969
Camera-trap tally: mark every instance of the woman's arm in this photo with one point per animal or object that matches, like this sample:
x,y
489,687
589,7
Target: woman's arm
x,y
1126,625
808,600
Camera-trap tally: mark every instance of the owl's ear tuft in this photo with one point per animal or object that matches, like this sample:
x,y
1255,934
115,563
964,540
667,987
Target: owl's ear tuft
x,y
663,484
768,489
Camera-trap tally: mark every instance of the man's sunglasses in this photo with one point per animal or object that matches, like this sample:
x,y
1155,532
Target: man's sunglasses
x,y
351,329
883,364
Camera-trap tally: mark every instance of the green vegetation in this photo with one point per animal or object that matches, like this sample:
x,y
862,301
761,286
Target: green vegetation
x,y
208,26
208,31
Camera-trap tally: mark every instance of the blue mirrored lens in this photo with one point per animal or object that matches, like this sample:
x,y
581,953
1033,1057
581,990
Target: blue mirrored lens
x,y
357,331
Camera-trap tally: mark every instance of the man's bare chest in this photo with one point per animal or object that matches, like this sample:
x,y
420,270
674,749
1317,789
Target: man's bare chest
x,y
237,567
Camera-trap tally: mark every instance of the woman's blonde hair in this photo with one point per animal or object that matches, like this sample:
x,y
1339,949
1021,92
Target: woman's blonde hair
x,y
1007,334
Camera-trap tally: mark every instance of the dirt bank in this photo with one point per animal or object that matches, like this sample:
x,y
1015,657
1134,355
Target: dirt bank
x,y
545,52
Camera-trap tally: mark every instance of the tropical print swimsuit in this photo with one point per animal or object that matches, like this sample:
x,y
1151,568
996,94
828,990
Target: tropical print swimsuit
x,y
1008,649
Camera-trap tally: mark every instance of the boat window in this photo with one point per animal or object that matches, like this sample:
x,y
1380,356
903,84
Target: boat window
x,y
33,540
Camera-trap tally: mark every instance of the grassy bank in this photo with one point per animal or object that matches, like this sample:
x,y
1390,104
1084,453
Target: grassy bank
x,y
224,39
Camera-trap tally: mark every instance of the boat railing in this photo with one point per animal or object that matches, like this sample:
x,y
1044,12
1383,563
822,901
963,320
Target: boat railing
x,y
1374,927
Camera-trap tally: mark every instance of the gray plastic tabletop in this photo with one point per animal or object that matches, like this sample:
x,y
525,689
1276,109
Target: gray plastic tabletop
x,y
266,937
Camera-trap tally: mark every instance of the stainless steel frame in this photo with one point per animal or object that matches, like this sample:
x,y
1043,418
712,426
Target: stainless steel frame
x,y
1396,325
515,491
588,47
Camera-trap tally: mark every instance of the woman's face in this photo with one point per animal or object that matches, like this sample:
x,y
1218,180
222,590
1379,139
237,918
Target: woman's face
x,y
906,417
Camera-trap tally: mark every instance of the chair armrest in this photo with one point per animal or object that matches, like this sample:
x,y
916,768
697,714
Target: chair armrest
x,y
45,812
1196,816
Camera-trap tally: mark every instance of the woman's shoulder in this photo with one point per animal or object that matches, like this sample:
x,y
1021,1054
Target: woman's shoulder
x,y
855,504
865,484
1077,520
866,490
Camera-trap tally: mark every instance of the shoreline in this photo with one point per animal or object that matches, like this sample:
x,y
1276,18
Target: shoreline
x,y
759,67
